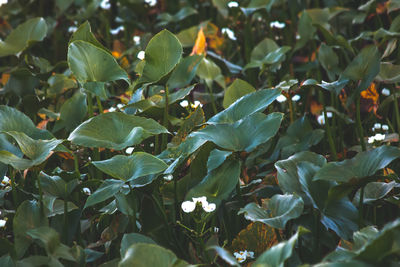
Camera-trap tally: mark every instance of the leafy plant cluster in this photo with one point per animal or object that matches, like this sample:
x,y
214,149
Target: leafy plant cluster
x,y
213,132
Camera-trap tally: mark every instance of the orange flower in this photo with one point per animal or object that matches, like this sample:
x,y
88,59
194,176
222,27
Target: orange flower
x,y
200,45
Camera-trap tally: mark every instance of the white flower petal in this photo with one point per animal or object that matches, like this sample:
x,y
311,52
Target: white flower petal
x,y
136,39
377,126
168,177
233,4
277,24
229,32
385,92
385,127
141,55
2,223
129,150
86,191
188,206
210,207
295,98
281,98
184,103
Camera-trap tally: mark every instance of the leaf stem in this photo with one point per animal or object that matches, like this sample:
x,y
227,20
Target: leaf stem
x,y
164,139
99,105
359,126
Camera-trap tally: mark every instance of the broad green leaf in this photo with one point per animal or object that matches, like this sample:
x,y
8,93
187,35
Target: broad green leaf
x,y
46,236
278,210
329,60
184,72
96,88
133,238
389,73
262,49
246,105
84,33
278,254
19,39
243,135
163,53
143,255
122,131
219,183
225,255
56,186
334,87
209,72
92,64
129,168
374,191
73,111
306,30
363,165
108,189
235,91
216,158
222,6
36,150
364,67
59,82
28,216
183,13
195,119
288,178
22,82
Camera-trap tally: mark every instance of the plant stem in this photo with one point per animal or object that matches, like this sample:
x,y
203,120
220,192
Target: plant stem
x,y
99,105
214,107
359,126
361,208
164,139
13,187
90,104
397,113
328,129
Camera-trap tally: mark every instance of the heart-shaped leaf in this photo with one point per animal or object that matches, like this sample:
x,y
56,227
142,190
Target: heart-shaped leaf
x,y
18,40
235,91
128,168
115,130
107,189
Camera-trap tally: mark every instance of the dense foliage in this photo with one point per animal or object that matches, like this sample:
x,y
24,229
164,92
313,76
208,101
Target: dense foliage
x,y
212,132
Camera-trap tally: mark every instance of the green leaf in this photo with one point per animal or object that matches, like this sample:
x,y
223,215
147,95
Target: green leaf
x,y
107,189
46,236
59,82
329,60
278,210
364,67
129,168
84,33
306,30
22,82
235,91
262,49
73,111
209,72
389,73
216,158
36,150
219,183
225,255
19,39
122,131
278,254
162,54
288,178
28,216
246,105
143,255
374,191
243,135
184,72
363,165
56,186
133,238
92,64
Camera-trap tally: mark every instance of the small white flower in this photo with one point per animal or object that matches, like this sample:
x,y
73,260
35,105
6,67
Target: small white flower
x,y
151,2
216,229
168,177
281,98
298,37
105,4
377,126
129,150
196,104
277,24
184,103
2,223
241,256
3,2
188,206
71,29
136,39
250,254
210,207
86,191
229,32
89,158
295,98
321,119
379,137
120,106
385,127
385,92
151,144
202,200
329,114
5,181
141,55
117,30
112,109
233,4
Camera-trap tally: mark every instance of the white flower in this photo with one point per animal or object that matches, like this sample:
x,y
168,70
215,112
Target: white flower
x,y
136,39
277,24
385,127
2,2
329,114
151,2
141,55
196,104
151,144
71,29
168,177
210,207
241,256
184,103
377,126
117,30
105,4
229,32
281,98
112,109
233,4
321,119
385,92
296,98
5,181
86,191
216,229
298,37
376,137
129,150
202,200
120,106
2,223
188,206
